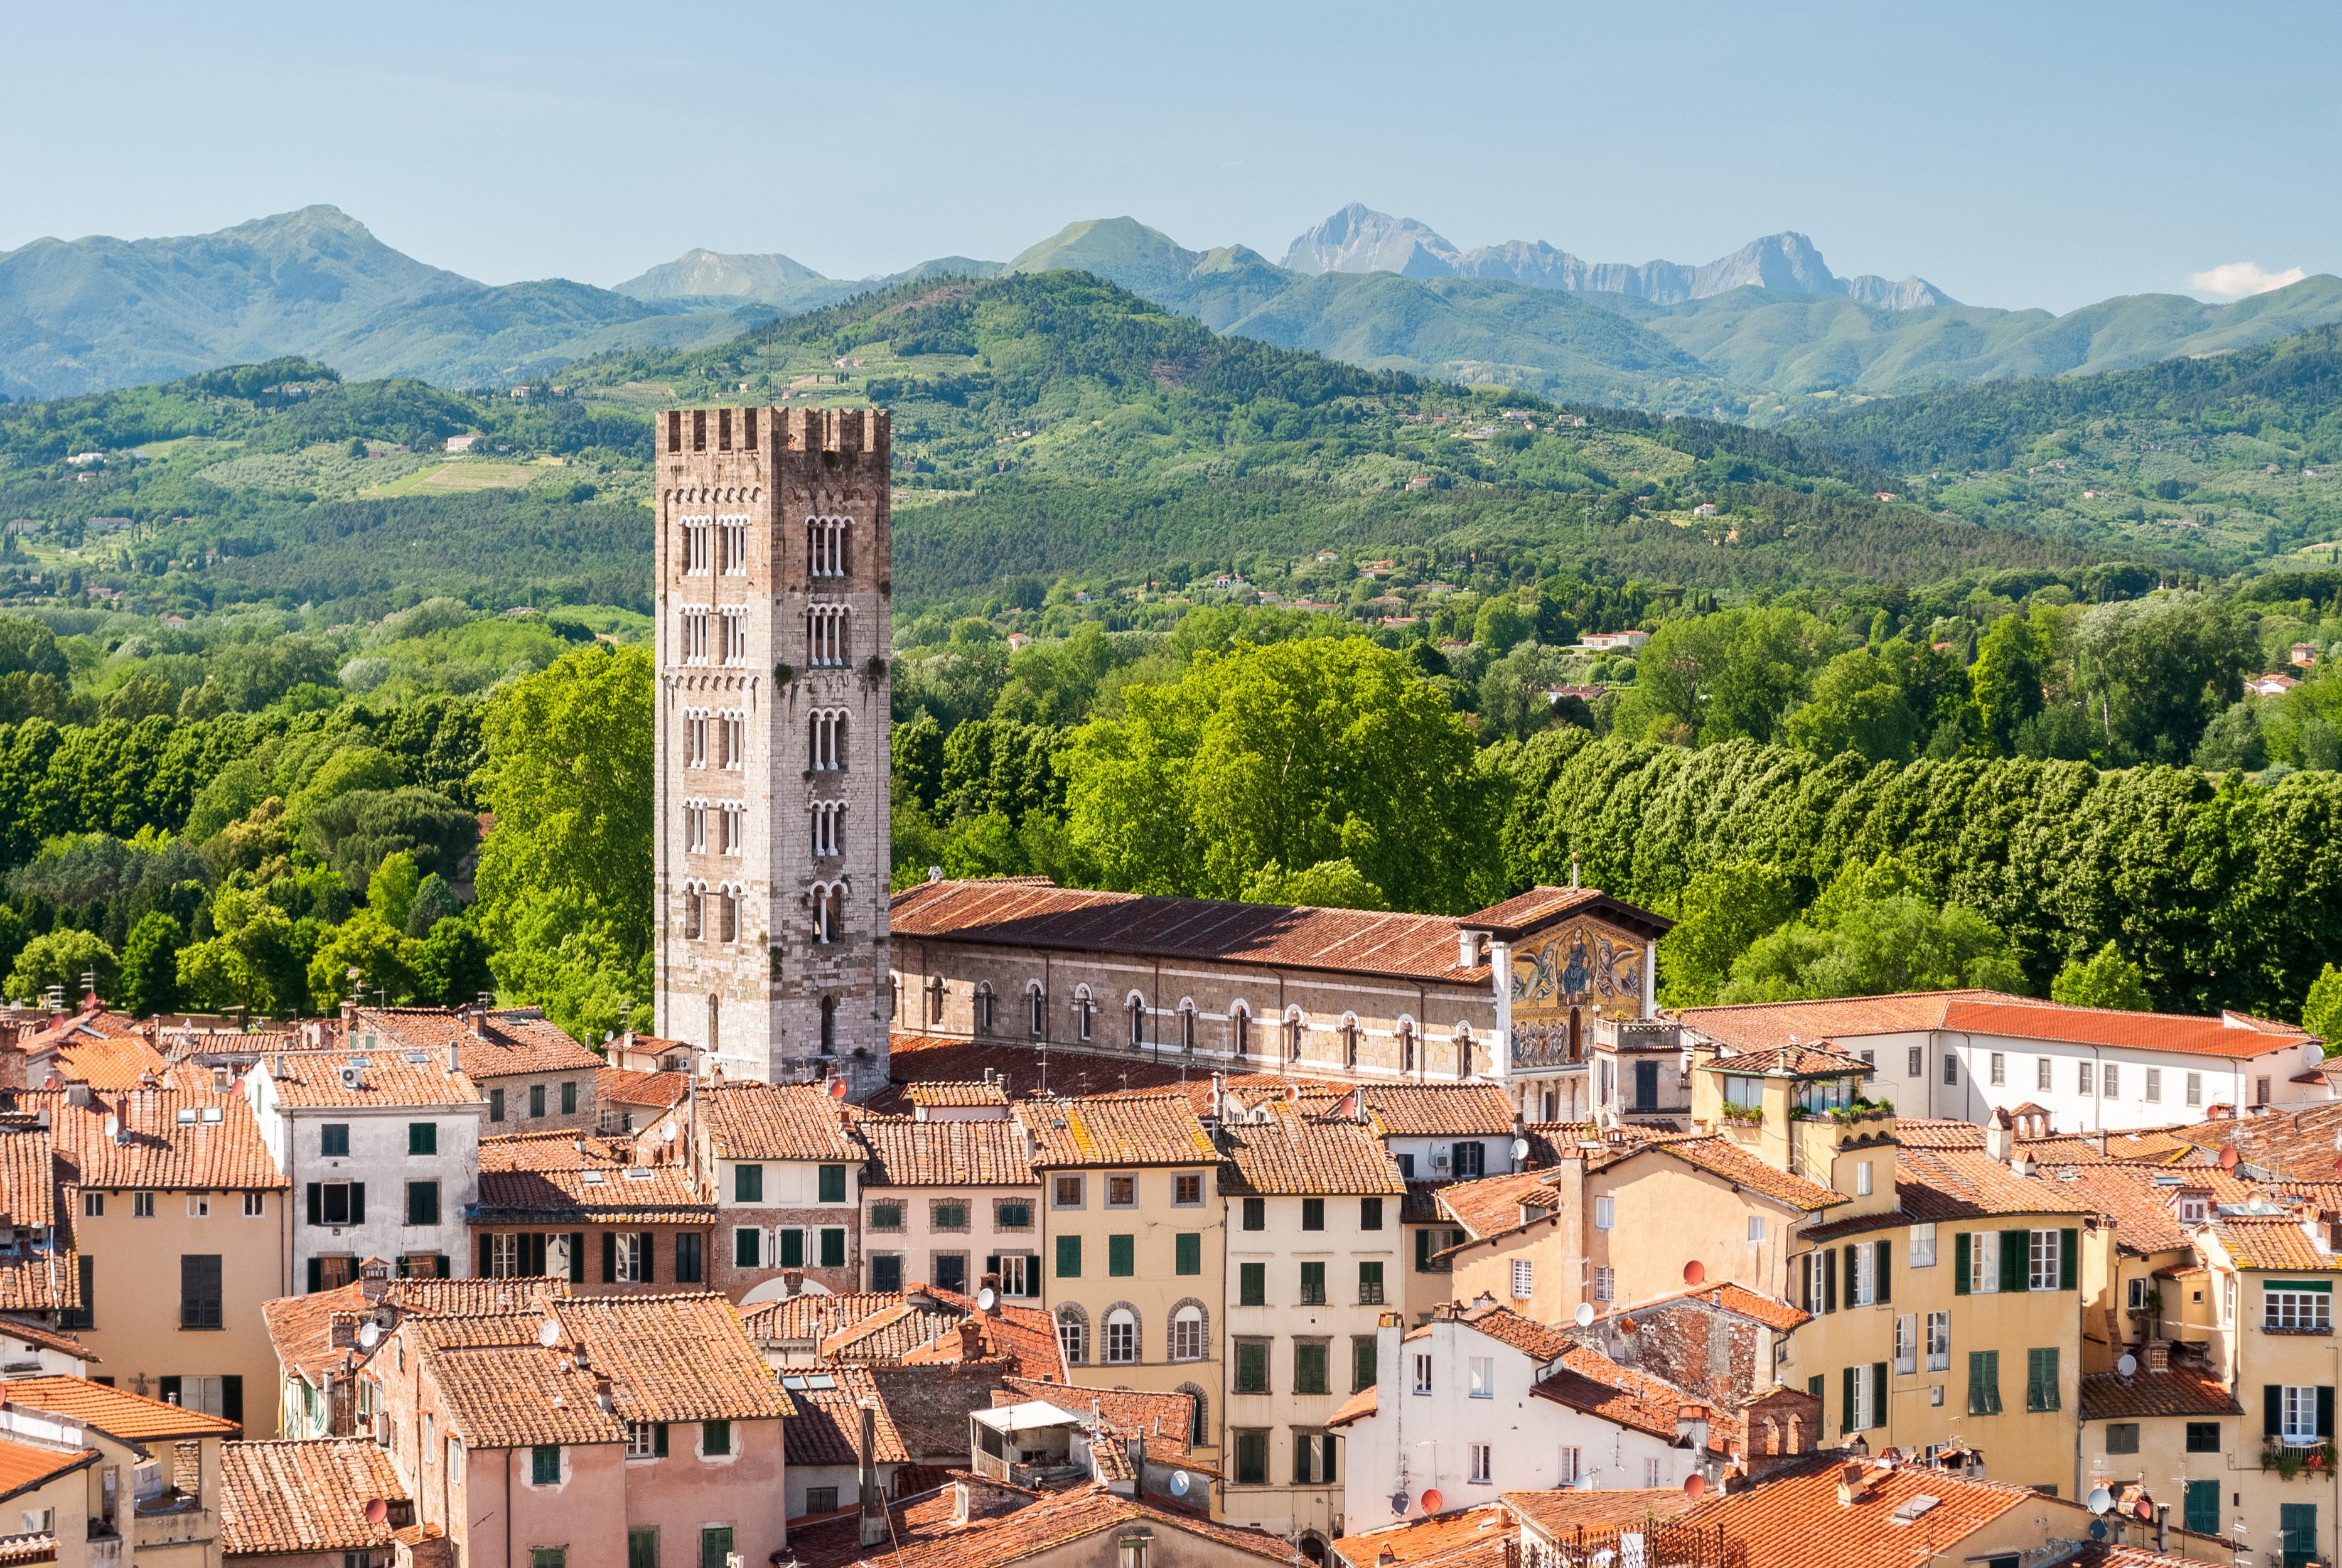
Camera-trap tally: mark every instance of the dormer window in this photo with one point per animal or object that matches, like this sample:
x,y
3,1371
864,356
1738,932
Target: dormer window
x,y
2194,1208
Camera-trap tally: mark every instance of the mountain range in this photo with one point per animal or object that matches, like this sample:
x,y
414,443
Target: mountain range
x,y
1766,332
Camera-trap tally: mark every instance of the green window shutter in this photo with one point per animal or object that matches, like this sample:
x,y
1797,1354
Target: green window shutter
x,y
1362,1356
1879,1393
317,1279
1992,1382
788,1242
2069,1248
1829,1280
2200,1509
1251,1285
1885,1287
1846,1405
2325,1410
1121,1256
1960,1264
2272,1409
2015,1250
833,1247
2049,1400
1070,1257
1815,1386
1975,1382
1187,1253
2033,1380
833,1184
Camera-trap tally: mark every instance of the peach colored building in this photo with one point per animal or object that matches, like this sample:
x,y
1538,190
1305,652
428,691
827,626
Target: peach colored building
x,y
605,1214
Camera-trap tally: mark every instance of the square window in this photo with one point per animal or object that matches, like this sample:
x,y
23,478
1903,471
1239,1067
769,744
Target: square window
x,y
142,1204
333,1140
1309,1366
886,1271
886,1216
421,1202
1313,1214
1251,1285
2122,1437
748,1183
1121,1192
1187,1189
832,1188
1066,1192
1370,1214
1256,1214
821,1500
951,1216
1012,1215
1121,1256
1313,1284
1252,1366
544,1465
92,1205
422,1138
715,1438
1370,1283
2203,1437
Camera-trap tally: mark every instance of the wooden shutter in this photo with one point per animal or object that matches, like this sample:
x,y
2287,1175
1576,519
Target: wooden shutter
x,y
357,1203
577,1257
1846,1404
1960,1263
609,1257
1886,1250
1829,1280
316,1207
2070,1246
2272,1409
485,1239
1878,1393
232,1397
650,1257
2015,1255
1852,1270
2325,1410
316,1271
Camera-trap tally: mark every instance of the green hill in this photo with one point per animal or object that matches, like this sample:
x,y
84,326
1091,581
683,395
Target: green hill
x,y
2225,460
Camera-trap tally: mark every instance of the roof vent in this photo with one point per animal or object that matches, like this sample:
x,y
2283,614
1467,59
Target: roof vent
x,y
1910,1513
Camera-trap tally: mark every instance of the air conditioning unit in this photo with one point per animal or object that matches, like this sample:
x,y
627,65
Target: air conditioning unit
x,y
382,1428
351,1078
1439,1161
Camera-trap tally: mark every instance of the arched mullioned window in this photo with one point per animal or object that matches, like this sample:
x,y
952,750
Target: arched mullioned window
x,y
826,640
1406,1044
1136,1008
1186,1027
1083,1007
984,1007
1350,1037
825,740
1464,1064
1037,1009
826,539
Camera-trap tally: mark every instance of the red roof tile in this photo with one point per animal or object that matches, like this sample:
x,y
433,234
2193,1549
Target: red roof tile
x,y
313,1079
745,1120
828,1426
1760,1025
24,1466
115,1412
1295,1151
1794,1520
1770,1311
907,1153
511,1041
285,1498
171,1139
2181,1390
659,1091
1152,1129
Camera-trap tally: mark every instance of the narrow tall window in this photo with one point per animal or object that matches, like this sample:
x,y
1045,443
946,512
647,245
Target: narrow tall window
x,y
825,740
693,630
736,545
695,826
736,828
694,546
735,635
1137,1022
694,739
731,731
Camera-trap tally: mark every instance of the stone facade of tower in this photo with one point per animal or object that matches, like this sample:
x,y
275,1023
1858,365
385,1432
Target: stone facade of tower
x,y
771,836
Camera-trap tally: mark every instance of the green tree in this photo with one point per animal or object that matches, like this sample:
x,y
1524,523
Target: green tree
x,y
451,964
60,959
2106,979
1513,691
1501,626
2153,672
1294,752
30,647
150,966
1880,946
1723,913
1858,704
1329,884
375,950
391,891
2321,1010
565,878
1709,678
435,901
2012,661
2234,739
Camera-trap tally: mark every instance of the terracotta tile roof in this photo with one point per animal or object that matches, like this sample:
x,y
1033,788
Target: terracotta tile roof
x,y
300,1497
828,1426
25,1465
678,1357
2272,1243
630,1195
510,1042
984,1092
1059,1520
1439,1538
34,1334
116,1412
28,1176
1164,1420
1525,911
1937,1133
915,1058
893,1333
1441,1110
622,1086
2145,1210
1793,1519
1760,1025
1506,1326
1565,1512
46,1282
302,1328
905,1153
564,1151
1154,1129
1357,1407
745,1120
1493,1205
507,1396
1729,1296
1296,1151
810,1318
1721,1157
1024,1338
2295,1145
2109,1397
833,1540
1964,1185
1590,1382
1796,1060
1024,914
167,1139
308,1080
97,1046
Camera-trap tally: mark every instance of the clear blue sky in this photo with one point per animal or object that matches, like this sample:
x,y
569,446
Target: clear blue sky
x,y
2014,154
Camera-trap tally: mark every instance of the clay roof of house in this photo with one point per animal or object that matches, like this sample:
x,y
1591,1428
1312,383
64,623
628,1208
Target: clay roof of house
x,y
907,1153
28,1175
2145,1210
285,1498
38,1337
1441,1110
982,1092
116,1412
389,1079
623,1086
1937,1133
1757,1026
833,1540
672,1357
1792,1061
1506,1326
2181,1390
1793,1519
1059,1519
828,1426
1033,912
1150,1129
1564,1512
301,1328
743,1119
1024,1336
1020,1070
1164,1420
2294,1144
512,1040
1936,1186
97,1046
166,1139
894,1332
507,1396
1526,912
1357,1407
813,1316
1295,1151
1492,1205
597,1195
1459,1538
1722,1157
1729,1296
2276,1243
1590,1382
25,1465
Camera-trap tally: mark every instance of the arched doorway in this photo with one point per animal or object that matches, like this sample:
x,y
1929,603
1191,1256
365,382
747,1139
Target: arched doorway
x,y
1313,1545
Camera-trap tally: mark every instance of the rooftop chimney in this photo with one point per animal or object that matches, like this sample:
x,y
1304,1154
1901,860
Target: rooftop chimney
x,y
479,1024
1999,1137
2158,1356
873,1516
1467,948
971,1340
991,1282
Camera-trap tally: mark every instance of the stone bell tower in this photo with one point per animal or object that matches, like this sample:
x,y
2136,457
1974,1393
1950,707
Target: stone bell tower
x,y
771,834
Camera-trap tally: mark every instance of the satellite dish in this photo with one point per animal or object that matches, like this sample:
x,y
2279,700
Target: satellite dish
x,y
1179,1483
1694,1272
2100,1500
1520,1150
377,1511
1584,1483
667,1132
2127,1364
369,1333
1399,1503
1432,1501
1695,1486
984,1300
1584,1316
837,1087
2228,1158
2097,1529
549,1333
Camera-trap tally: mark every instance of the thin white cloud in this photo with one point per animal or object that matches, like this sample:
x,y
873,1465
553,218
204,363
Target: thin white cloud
x,y
2239,279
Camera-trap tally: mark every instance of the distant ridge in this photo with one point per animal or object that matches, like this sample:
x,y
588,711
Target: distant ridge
x,y
1359,239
